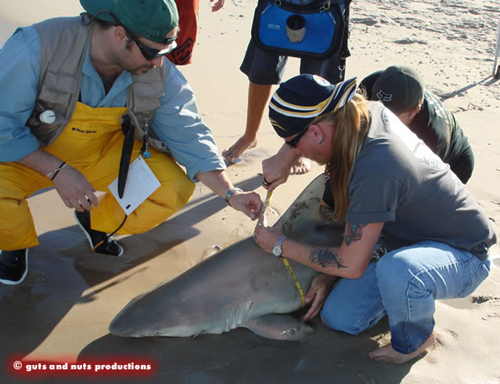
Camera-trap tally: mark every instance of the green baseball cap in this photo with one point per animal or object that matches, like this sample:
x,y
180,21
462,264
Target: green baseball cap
x,y
399,88
151,19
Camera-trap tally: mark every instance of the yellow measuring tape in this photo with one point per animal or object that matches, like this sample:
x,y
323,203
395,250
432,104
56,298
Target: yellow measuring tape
x,y
260,222
297,284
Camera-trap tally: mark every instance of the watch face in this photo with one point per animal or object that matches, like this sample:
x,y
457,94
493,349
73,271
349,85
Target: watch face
x,y
276,250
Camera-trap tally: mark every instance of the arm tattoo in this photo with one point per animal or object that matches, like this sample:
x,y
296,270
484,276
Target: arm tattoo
x,y
353,232
326,258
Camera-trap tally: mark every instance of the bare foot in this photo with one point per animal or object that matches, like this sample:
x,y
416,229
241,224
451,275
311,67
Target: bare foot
x,y
300,167
387,354
236,150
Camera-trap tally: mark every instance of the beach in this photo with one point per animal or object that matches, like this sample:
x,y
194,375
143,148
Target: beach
x,y
62,311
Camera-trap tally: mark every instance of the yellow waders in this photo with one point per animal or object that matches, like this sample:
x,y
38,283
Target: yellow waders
x,y
92,143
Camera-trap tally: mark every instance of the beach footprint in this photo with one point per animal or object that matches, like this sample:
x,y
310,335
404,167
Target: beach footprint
x,y
480,299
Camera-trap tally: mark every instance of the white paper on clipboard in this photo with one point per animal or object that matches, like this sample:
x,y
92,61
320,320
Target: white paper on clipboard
x,y
141,183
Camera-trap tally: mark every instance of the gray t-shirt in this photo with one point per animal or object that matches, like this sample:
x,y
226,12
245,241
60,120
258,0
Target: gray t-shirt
x,y
398,180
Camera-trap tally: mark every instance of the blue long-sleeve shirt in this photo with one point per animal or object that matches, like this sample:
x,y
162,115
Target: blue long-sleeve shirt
x,y
176,122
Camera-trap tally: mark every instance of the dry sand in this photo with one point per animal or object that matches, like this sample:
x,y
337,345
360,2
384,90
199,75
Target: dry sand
x,y
63,309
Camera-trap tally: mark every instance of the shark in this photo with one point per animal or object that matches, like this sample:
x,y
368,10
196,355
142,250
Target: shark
x,y
239,286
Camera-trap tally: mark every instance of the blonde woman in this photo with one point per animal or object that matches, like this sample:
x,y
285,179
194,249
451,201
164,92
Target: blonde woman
x,y
389,188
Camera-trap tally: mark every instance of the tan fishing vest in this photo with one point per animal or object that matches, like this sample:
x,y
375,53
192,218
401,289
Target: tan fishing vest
x,y
63,45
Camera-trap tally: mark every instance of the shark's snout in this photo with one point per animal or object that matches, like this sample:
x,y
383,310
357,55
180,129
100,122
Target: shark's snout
x,y
133,321
120,327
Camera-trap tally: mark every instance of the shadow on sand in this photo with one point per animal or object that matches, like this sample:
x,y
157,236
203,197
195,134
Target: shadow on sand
x,y
239,356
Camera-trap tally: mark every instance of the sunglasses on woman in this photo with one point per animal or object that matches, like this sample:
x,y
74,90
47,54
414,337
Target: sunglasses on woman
x,y
293,142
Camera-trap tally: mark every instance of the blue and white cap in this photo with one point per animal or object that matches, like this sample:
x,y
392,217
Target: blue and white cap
x,y
298,101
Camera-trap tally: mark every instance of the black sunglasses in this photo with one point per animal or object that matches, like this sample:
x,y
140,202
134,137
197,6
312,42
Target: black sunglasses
x,y
148,52
152,53
293,142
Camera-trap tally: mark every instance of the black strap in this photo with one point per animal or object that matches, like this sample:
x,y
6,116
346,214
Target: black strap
x,y
128,145
313,6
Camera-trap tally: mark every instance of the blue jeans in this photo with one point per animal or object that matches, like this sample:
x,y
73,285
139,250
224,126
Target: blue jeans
x,y
404,285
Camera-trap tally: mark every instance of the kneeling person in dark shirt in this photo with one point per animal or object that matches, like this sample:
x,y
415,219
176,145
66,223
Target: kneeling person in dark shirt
x,y
402,90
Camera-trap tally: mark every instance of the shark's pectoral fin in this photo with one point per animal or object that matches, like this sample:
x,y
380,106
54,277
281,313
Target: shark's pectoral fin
x,y
279,327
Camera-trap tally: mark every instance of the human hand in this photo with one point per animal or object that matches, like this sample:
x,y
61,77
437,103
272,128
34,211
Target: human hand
x,y
275,173
218,5
75,190
233,153
317,294
276,169
266,237
247,202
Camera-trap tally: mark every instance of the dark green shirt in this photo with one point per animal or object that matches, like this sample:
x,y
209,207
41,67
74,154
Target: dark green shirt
x,y
439,130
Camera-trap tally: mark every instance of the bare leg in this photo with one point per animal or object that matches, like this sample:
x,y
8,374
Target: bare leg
x,y
258,96
387,354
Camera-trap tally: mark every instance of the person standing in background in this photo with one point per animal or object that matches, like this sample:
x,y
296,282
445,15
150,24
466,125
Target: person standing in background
x,y
188,23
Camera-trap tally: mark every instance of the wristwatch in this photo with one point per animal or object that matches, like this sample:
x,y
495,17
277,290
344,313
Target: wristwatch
x,y
277,249
231,193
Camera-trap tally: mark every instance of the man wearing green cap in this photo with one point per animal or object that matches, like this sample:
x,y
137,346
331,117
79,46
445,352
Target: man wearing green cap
x,y
402,90
84,97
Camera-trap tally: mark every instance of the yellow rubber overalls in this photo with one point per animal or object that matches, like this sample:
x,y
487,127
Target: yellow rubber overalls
x,y
92,143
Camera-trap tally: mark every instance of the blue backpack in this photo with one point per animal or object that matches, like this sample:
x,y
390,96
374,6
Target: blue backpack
x,y
316,30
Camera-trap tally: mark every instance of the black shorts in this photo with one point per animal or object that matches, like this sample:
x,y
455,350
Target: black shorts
x,y
267,68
